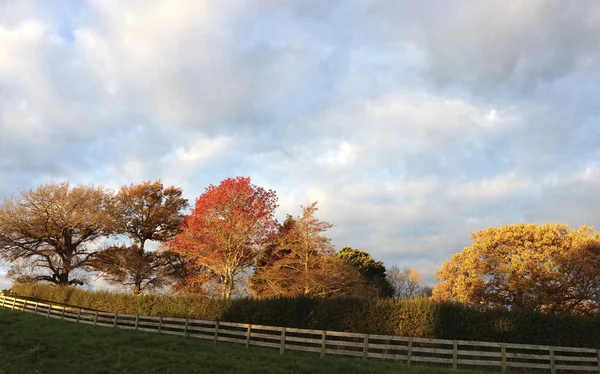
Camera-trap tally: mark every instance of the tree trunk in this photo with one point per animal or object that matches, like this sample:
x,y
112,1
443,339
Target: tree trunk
x,y
227,287
137,286
62,279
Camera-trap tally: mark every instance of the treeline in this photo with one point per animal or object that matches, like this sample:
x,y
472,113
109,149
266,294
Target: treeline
x,y
417,317
229,244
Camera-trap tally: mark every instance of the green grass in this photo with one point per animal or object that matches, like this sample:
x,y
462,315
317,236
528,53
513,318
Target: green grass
x,y
34,344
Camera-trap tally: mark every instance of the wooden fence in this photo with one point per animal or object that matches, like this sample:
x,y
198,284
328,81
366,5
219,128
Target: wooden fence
x,y
453,353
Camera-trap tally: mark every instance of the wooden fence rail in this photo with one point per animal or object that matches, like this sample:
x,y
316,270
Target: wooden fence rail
x,y
452,353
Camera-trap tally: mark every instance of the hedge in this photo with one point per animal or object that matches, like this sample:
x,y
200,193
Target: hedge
x,y
417,317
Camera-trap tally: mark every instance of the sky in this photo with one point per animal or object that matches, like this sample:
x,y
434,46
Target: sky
x,y
413,124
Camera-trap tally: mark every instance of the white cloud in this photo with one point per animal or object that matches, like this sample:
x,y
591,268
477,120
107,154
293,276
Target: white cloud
x,y
203,149
429,123
486,189
344,155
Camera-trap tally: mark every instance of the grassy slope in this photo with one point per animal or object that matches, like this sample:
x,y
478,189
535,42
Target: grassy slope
x,y
33,344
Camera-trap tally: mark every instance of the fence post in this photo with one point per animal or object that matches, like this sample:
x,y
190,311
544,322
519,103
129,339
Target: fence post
x,y
48,312
598,360
62,315
503,353
13,304
552,366
410,342
282,346
185,333
115,321
454,355
78,314
137,317
36,306
248,332
216,332
323,342
160,324
95,318
365,346
3,301
24,304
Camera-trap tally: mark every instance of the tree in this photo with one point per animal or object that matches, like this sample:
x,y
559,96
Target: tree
x,y
54,230
292,254
306,239
538,267
580,278
184,276
373,271
225,233
302,262
147,212
276,246
325,276
406,282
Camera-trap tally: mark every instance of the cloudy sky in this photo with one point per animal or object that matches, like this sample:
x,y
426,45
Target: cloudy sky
x,y
412,123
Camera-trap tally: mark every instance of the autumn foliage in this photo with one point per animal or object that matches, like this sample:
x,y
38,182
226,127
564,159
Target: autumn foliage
x,y
145,212
548,268
51,233
515,283
231,244
224,235
301,262
141,239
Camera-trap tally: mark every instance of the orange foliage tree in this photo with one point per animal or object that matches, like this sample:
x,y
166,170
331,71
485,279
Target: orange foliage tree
x,y
53,232
539,267
146,212
301,261
224,235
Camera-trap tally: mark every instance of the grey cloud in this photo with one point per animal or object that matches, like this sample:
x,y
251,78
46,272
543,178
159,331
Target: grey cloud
x,y
413,124
512,46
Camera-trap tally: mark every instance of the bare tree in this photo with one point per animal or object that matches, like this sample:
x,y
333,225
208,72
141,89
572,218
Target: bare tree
x,y
54,230
407,282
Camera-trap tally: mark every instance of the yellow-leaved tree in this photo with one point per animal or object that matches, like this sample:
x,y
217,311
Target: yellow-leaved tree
x,y
548,268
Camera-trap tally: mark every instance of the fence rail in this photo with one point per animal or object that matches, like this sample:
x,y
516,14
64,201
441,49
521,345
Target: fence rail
x,y
452,353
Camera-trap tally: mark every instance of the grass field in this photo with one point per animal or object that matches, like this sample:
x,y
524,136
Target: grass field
x,y
34,344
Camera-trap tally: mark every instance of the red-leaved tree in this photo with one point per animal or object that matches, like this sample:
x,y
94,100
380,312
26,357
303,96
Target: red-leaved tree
x,y
225,234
